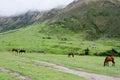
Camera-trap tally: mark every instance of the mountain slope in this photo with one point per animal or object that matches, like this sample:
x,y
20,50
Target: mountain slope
x,y
14,22
97,18
91,19
31,17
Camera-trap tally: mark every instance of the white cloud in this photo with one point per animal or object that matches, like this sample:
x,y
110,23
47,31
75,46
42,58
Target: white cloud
x,y
11,7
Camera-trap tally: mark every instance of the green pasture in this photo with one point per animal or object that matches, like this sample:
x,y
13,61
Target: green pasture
x,y
32,38
7,76
28,68
92,64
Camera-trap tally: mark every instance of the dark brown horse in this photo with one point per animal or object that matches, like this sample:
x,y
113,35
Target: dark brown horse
x,y
15,50
81,54
71,54
109,59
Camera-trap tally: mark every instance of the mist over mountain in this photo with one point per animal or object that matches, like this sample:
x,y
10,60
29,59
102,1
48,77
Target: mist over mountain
x,y
30,17
17,7
96,18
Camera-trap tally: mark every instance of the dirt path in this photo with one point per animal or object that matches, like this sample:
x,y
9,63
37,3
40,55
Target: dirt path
x,y
15,74
89,76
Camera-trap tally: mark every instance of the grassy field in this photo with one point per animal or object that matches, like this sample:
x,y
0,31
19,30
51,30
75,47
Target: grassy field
x,y
7,76
93,64
32,38
23,64
28,68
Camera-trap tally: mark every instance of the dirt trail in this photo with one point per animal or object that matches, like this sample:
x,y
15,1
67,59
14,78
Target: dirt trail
x,y
15,74
89,76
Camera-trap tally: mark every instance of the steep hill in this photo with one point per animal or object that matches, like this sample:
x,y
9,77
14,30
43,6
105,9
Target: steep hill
x,y
97,18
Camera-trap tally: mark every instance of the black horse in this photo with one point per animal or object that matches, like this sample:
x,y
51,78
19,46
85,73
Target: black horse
x,y
71,54
22,51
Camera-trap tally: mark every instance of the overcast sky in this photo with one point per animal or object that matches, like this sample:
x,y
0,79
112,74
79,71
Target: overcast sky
x,y
12,7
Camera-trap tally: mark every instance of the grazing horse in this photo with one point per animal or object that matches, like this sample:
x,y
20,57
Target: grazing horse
x,y
70,54
22,51
81,54
14,50
109,59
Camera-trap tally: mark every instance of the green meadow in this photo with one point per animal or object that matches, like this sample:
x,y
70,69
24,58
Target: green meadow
x,y
34,39
92,64
28,68
23,64
7,76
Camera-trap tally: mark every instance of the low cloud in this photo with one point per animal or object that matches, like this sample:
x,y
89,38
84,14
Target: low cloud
x,y
12,7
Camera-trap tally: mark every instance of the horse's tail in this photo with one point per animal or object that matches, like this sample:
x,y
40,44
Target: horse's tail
x,y
105,61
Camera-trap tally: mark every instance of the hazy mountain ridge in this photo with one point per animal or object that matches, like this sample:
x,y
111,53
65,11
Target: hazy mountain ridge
x,y
14,22
31,17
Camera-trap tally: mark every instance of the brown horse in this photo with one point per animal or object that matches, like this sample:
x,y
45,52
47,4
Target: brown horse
x,y
14,50
109,59
71,54
81,54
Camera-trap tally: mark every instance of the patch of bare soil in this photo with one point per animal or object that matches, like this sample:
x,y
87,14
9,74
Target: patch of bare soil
x,y
15,74
89,76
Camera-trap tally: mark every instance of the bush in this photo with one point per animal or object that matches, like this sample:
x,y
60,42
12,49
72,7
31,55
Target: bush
x,y
112,52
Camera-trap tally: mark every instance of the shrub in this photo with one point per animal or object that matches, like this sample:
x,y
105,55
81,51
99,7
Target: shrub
x,y
112,52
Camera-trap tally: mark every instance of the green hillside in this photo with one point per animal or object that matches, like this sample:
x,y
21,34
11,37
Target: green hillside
x,y
31,38
98,18
82,24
